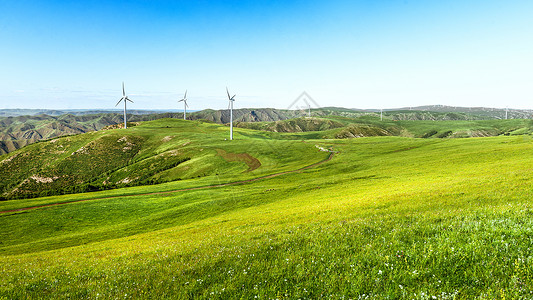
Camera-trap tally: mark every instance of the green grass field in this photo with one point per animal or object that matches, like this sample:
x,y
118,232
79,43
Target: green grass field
x,y
154,152
386,217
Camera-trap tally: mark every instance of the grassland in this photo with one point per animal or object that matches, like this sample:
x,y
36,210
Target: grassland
x,y
155,152
386,217
18,130
370,125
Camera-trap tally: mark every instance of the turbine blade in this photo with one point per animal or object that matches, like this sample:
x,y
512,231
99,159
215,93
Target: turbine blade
x,y
123,90
181,100
228,93
185,97
129,99
119,101
233,98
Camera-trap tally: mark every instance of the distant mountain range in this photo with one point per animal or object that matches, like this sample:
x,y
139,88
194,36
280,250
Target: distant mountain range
x,y
20,127
481,112
76,112
476,112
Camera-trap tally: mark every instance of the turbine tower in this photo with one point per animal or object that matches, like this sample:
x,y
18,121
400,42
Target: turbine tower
x,y
125,99
381,114
506,112
230,107
184,100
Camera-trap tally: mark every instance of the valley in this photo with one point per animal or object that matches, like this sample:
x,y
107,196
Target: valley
x,y
319,216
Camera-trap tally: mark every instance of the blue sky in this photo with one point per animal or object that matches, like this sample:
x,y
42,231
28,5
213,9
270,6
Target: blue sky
x,y
355,54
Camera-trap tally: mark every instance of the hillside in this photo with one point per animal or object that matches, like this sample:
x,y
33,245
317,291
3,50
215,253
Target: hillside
x,y
273,215
19,131
153,152
370,125
16,132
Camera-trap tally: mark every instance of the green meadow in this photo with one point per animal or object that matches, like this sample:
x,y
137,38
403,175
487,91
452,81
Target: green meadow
x,y
271,215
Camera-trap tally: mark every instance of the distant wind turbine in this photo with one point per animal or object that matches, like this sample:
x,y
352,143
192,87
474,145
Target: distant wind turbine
x,y
506,112
125,99
230,107
381,114
184,100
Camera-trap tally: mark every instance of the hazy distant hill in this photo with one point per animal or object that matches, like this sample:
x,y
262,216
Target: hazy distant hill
x,y
76,112
479,112
271,115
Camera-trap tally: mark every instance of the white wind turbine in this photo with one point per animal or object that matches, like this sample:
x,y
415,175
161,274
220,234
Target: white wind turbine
x,y
125,99
230,107
185,105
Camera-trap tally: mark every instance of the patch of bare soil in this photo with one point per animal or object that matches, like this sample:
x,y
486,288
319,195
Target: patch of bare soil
x,y
252,162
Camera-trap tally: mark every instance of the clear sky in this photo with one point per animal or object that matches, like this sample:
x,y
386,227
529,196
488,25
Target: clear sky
x,y
356,54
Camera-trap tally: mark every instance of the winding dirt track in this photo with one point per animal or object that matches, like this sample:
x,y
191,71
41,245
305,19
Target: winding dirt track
x,y
180,190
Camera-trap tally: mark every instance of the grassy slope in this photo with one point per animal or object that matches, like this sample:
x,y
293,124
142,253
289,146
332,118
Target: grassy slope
x,y
157,151
475,128
16,132
369,125
387,216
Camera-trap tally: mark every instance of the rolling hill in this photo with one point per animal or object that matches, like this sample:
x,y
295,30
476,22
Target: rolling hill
x,y
271,215
153,152
18,131
104,159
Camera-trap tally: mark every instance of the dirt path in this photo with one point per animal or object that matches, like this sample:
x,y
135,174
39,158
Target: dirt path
x,y
180,190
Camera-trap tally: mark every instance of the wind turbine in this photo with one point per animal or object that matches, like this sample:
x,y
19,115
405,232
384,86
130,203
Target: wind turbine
x,y
506,112
125,99
230,107
184,100
381,114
